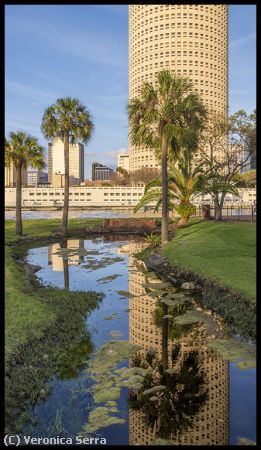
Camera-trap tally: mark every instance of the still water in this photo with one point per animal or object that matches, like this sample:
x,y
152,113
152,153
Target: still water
x,y
208,400
79,214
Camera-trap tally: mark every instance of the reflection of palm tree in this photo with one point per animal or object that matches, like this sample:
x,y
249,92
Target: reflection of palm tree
x,y
165,332
170,397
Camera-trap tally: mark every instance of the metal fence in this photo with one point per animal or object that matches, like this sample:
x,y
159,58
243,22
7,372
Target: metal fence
x,y
232,212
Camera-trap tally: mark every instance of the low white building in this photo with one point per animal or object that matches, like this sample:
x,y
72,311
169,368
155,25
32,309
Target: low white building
x,y
79,196
246,196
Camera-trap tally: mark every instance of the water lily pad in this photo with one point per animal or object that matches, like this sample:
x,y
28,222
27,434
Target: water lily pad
x,y
115,333
161,441
126,294
108,279
186,319
153,390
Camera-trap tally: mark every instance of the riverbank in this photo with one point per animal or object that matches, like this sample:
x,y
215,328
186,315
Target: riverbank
x,y
224,252
27,314
218,258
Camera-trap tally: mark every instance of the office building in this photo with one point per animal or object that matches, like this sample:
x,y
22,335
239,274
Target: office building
x,y
56,160
123,161
189,40
34,177
10,176
100,172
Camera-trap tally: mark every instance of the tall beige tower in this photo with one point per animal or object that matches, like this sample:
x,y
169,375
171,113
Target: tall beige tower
x,y
189,40
56,160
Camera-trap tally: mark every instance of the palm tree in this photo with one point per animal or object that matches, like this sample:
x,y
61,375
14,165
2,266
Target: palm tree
x,y
68,119
166,118
184,180
22,149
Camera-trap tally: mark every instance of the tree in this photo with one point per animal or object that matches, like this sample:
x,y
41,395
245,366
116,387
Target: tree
x,y
184,180
246,179
143,175
70,120
22,149
166,118
226,147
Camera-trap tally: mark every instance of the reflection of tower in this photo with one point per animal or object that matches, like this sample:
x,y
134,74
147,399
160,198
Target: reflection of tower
x,y
211,424
57,259
75,244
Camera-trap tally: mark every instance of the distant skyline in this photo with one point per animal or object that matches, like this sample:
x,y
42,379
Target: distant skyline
x,y
54,51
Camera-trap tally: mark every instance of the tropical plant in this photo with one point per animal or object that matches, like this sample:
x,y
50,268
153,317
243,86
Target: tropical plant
x,y
166,118
69,120
184,181
152,239
22,149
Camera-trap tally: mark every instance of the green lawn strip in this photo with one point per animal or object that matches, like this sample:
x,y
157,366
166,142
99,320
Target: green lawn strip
x,y
224,252
25,315
46,227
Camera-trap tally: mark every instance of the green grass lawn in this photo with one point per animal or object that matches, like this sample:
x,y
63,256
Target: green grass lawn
x,y
25,315
224,252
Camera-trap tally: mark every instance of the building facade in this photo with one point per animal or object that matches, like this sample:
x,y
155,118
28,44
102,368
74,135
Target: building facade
x,y
10,175
56,160
81,196
189,40
124,161
35,177
84,196
100,172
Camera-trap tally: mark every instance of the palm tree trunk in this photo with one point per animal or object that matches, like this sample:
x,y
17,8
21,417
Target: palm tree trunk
x,y
19,229
164,171
182,222
64,226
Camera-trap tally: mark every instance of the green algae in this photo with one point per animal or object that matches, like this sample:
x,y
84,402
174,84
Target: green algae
x,y
102,395
234,350
100,418
110,354
245,441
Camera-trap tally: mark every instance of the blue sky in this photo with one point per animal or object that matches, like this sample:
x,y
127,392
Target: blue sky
x,y
53,51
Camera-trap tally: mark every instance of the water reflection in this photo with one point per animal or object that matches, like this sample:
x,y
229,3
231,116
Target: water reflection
x,y
210,425
193,408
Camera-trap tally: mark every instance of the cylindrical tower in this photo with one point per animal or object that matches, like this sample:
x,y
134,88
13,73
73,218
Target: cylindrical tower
x,y
189,40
